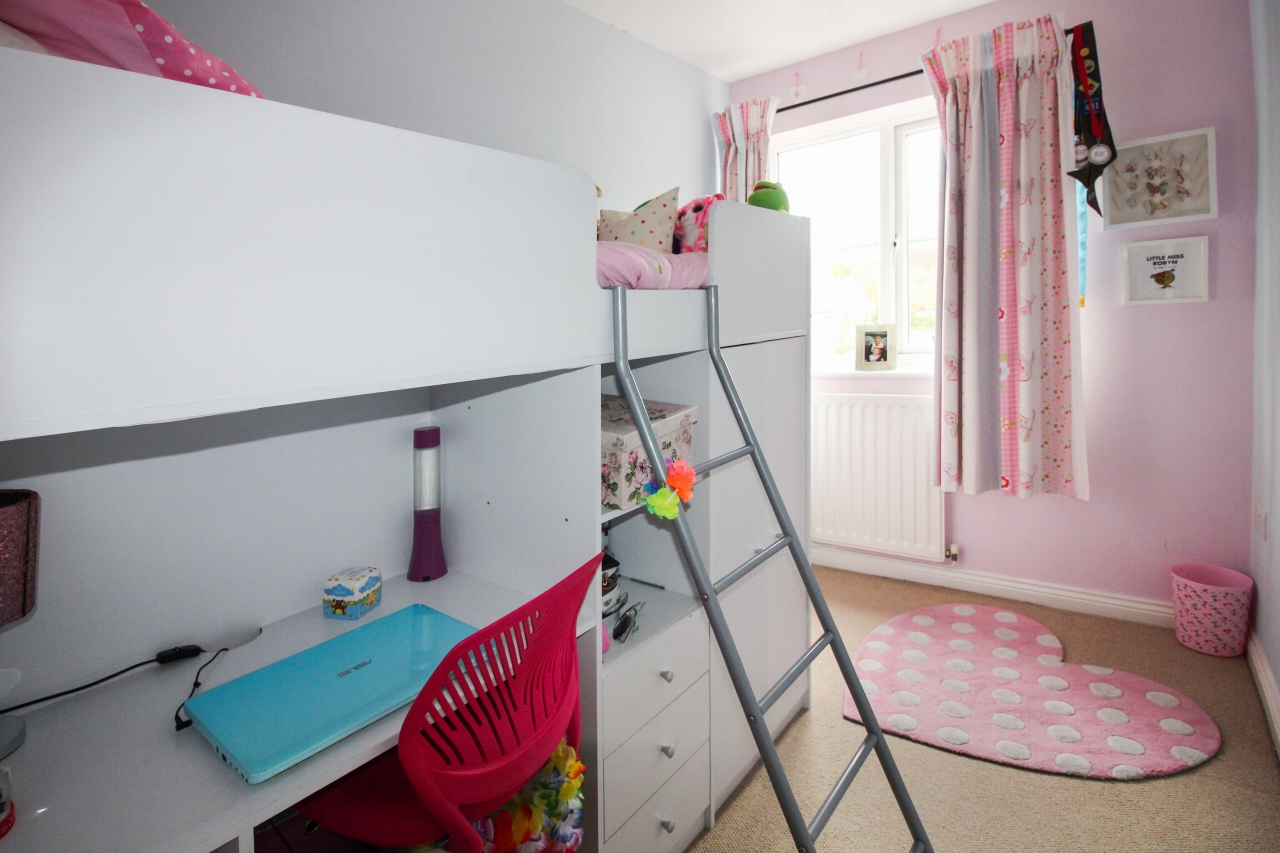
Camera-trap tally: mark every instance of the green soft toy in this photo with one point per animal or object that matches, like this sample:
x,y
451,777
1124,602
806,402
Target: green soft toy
x,y
770,195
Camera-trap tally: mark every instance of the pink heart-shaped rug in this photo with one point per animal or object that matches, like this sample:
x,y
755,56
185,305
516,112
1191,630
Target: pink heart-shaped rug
x,y
992,684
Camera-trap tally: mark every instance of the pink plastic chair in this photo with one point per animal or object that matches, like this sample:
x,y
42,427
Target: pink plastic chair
x,y
489,717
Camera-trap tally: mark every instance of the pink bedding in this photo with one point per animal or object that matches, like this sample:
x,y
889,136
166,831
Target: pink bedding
x,y
641,268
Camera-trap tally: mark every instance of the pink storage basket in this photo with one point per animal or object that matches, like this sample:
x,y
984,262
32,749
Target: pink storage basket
x,y
1211,608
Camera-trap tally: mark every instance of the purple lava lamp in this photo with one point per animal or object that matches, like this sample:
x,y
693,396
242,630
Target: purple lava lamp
x,y
427,561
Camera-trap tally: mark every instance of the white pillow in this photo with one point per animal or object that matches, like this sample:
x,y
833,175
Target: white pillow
x,y
650,225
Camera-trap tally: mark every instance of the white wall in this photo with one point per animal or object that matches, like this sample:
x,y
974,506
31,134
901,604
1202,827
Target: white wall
x,y
1265,20
535,77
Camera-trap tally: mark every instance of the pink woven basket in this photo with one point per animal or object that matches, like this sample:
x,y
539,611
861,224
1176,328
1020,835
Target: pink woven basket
x,y
1211,608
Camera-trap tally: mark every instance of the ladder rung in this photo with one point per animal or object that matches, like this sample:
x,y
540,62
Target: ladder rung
x,y
722,460
775,693
745,569
837,793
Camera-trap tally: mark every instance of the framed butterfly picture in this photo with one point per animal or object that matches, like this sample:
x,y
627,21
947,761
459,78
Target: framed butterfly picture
x,y
1162,179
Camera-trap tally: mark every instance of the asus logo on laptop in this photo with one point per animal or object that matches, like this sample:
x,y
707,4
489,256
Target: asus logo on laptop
x,y
354,668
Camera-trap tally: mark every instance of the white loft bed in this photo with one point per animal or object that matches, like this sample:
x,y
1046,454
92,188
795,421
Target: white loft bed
x,y
169,252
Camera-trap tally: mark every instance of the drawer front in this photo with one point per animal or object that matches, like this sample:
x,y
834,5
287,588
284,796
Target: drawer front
x,y
680,804
639,767
635,690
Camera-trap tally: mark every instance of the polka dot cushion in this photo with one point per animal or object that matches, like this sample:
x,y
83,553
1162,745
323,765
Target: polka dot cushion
x,y
652,224
992,684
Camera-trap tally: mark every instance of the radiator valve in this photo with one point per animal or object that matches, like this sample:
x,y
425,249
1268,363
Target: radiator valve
x,y
953,552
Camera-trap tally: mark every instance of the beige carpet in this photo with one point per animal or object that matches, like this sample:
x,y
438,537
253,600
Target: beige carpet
x,y
1231,803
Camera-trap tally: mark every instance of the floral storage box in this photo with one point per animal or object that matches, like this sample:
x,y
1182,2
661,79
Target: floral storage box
x,y
624,466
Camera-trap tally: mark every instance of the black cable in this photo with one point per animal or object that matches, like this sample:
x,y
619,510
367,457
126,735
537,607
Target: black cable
x,y
178,723
283,840
77,689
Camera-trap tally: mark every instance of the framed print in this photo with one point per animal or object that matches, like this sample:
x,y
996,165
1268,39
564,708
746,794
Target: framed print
x,y
877,347
1166,271
1162,179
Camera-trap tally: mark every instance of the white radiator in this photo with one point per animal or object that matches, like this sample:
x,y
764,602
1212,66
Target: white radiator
x,y
871,480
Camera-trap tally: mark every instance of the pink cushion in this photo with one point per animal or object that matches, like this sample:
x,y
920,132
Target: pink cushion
x,y
122,34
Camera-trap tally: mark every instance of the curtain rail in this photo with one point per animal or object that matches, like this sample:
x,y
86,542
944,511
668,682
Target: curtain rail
x,y
849,91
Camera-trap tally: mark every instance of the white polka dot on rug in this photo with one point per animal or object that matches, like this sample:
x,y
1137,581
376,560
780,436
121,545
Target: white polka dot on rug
x,y
1053,682
1062,709
914,656
963,610
911,676
922,619
1008,697
1125,746
954,709
1177,727
1127,772
1065,734
870,665
1049,640
906,698
1188,756
1007,721
1098,670
1050,660
1005,616
1014,750
902,722
1006,673
952,735
1106,691
955,685
963,628
961,645
1114,716
919,637
1005,653
877,646
959,665
868,686
882,630
1076,765
1164,700
1006,633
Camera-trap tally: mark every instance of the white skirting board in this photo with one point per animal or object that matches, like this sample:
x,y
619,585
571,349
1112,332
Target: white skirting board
x,y
1264,677
1129,608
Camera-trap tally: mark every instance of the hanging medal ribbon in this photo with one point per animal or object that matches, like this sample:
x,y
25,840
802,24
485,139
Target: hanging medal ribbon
x,y
1095,147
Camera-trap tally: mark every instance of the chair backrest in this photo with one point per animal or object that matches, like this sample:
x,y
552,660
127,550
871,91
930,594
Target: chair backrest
x,y
498,704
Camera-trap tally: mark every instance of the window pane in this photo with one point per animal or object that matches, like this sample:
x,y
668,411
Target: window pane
x,y
921,216
837,185
922,183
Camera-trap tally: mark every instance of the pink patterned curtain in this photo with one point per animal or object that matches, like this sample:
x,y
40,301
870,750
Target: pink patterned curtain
x,y
743,131
1008,394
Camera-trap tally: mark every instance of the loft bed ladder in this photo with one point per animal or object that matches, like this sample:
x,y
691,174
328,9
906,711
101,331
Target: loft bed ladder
x,y
804,834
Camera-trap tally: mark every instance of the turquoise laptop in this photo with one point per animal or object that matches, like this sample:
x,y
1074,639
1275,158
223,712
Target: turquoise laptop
x,y
268,720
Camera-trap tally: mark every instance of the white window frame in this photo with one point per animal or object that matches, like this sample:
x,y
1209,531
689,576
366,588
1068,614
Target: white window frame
x,y
893,124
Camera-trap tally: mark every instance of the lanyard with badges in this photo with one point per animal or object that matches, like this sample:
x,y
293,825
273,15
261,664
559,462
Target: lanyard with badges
x,y
1095,147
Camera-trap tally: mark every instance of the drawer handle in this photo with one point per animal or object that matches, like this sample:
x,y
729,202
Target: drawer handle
x,y
667,675
669,826
669,751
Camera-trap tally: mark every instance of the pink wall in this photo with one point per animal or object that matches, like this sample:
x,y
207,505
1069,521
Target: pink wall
x,y
1168,389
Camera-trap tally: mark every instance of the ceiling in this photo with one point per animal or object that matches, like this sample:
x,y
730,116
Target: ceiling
x,y
733,39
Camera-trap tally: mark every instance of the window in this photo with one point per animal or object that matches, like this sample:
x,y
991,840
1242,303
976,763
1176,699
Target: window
x,y
870,189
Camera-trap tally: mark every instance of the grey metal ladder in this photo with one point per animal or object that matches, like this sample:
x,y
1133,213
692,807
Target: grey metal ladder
x,y
804,834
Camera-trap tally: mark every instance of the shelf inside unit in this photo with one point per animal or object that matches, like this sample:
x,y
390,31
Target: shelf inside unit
x,y
662,609
614,514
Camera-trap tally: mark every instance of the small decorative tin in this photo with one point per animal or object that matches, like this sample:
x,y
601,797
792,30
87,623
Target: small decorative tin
x,y
624,465
353,593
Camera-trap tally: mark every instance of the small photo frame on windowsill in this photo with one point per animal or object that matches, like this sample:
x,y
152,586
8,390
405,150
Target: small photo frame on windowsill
x,y
878,347
1163,271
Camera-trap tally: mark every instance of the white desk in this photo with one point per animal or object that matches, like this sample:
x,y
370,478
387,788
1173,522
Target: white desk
x,y
106,771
